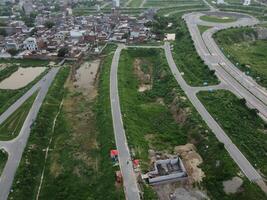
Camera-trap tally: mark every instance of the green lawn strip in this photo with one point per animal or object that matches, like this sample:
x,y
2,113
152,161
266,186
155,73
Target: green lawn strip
x,y
248,54
246,129
150,125
8,97
202,29
216,19
26,62
73,178
26,182
196,73
135,3
7,72
185,8
11,127
3,159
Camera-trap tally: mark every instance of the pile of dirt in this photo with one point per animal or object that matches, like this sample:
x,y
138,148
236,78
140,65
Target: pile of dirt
x,y
179,114
232,186
191,160
145,80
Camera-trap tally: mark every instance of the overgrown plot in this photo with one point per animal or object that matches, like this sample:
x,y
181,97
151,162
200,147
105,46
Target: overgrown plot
x,y
160,117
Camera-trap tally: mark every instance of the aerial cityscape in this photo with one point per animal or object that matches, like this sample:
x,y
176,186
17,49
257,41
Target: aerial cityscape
x,y
133,99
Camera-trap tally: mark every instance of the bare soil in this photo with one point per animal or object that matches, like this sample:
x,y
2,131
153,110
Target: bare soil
x,y
145,80
232,186
191,160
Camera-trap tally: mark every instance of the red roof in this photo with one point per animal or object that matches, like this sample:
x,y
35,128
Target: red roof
x,y
113,152
136,163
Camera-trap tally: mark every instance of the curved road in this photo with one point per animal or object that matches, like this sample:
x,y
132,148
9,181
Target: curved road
x,y
15,147
129,178
241,84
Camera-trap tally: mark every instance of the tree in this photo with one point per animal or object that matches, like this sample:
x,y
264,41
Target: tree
x,y
49,24
3,32
62,52
13,52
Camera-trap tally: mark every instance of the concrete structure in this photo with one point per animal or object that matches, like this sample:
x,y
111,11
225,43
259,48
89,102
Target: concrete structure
x,y
220,2
167,170
28,7
247,2
116,3
30,44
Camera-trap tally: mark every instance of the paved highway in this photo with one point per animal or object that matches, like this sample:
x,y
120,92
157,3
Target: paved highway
x,y
249,171
241,84
129,178
15,147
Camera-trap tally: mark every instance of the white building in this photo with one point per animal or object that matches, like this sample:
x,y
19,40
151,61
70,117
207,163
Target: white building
x,y
247,2
28,7
220,1
116,3
30,44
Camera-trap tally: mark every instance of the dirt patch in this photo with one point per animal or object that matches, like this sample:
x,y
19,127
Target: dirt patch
x,y
21,77
179,114
232,186
143,71
85,78
191,160
55,167
78,108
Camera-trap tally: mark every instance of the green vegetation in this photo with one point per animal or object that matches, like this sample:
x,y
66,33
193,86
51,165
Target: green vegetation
x,y
196,73
28,174
79,166
202,29
8,97
181,9
250,135
257,11
217,19
135,3
7,72
25,62
170,3
3,159
162,118
88,11
11,127
245,51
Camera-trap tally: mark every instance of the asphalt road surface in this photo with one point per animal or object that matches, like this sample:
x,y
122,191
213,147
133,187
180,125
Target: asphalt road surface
x,y
190,92
129,178
239,83
15,147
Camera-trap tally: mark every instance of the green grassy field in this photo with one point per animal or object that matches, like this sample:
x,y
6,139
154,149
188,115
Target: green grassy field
x,y
135,3
25,184
216,19
196,73
250,54
10,128
202,29
7,72
26,62
250,135
181,9
3,159
169,3
149,123
79,167
8,97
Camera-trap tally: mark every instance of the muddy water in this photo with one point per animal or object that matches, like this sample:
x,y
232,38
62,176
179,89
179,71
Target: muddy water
x,y
21,77
86,77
